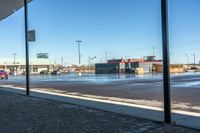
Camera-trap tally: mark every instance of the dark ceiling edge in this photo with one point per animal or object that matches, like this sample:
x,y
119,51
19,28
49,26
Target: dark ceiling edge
x,y
13,12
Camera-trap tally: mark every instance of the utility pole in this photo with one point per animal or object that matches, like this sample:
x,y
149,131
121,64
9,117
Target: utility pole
x,y
187,60
62,59
153,50
106,56
14,62
194,59
194,56
79,53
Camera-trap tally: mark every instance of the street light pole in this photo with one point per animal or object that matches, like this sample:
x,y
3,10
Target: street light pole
x,y
79,53
79,56
14,55
194,58
14,64
187,60
91,59
106,56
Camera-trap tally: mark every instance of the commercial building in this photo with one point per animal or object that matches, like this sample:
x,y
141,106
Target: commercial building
x,y
174,68
108,68
139,66
19,66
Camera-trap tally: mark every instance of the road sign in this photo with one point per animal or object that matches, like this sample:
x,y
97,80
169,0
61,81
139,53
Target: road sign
x,y
43,55
31,35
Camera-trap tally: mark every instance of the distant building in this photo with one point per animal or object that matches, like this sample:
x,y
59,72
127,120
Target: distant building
x,y
106,68
174,68
36,65
144,65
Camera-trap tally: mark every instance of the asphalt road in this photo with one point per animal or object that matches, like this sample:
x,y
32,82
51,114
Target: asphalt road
x,y
146,89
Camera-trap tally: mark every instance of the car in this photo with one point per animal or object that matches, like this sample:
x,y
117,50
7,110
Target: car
x,y
194,68
129,70
44,72
3,74
55,72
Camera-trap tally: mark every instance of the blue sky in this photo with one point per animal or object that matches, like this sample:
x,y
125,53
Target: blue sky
x,y
119,27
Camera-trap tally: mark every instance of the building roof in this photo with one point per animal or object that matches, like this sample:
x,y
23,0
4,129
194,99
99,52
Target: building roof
x,y
8,7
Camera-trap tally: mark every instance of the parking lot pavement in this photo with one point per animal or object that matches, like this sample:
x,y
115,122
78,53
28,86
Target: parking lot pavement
x,y
33,115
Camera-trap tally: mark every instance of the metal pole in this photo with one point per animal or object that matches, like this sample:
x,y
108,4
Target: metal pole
x,y
187,60
14,64
106,56
194,60
26,47
166,73
14,55
79,53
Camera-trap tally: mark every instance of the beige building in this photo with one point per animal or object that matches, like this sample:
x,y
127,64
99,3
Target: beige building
x,y
174,68
36,65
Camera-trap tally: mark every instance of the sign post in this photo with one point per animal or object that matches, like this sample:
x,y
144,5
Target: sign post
x,y
26,47
165,52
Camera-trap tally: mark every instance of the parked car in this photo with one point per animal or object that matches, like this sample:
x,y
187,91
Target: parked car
x,y
3,74
129,70
55,72
44,72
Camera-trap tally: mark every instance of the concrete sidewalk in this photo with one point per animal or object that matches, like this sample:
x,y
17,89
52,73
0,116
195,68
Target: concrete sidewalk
x,y
20,114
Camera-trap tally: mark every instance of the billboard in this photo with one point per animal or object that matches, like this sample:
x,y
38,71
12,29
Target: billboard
x,y
43,55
